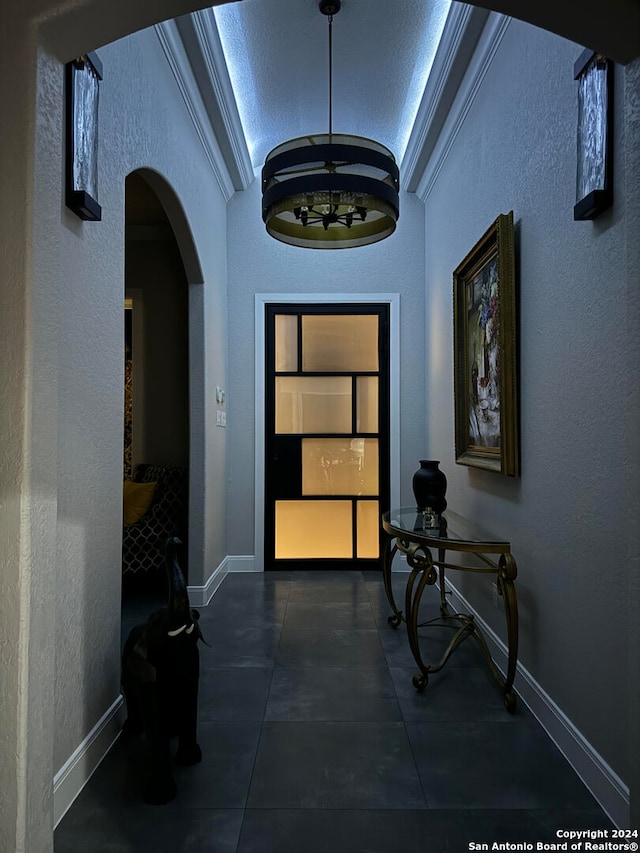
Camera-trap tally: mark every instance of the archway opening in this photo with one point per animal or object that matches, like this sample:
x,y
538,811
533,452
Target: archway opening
x,y
156,399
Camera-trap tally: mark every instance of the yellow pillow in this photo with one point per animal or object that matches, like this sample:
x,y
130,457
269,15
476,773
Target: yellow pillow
x,y
137,500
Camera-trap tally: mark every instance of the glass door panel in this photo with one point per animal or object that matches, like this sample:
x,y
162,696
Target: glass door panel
x,y
313,529
286,343
313,404
340,466
368,521
340,343
367,404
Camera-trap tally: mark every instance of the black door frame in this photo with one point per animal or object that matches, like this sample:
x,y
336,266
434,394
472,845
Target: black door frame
x,y
255,561
276,445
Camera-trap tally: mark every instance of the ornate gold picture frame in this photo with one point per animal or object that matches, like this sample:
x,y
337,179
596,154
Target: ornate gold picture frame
x,y
484,338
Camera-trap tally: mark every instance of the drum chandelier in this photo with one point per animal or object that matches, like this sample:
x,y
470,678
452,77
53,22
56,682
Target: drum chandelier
x,y
331,190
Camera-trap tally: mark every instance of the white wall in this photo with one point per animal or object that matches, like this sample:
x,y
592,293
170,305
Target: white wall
x,y
142,125
571,515
260,264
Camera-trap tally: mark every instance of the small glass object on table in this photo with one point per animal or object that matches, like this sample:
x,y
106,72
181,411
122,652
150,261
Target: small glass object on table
x,y
430,519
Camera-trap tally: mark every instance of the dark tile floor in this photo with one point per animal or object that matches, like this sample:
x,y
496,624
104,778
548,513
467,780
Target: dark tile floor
x,y
315,741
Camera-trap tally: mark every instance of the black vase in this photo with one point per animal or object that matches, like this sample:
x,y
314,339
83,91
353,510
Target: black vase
x,y
430,486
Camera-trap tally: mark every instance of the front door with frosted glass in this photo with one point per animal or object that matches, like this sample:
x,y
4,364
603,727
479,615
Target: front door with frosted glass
x,y
327,435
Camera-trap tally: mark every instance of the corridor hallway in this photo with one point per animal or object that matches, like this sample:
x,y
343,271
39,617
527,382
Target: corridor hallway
x,y
315,740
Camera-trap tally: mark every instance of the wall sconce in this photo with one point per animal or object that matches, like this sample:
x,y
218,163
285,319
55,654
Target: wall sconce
x,y
594,192
82,79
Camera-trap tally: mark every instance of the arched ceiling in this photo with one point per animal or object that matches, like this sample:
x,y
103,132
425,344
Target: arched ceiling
x,y
277,54
72,28
260,67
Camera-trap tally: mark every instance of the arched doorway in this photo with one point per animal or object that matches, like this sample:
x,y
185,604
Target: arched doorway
x,y
156,290
156,397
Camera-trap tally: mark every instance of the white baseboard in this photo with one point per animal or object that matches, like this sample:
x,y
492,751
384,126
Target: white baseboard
x,y
605,785
242,563
200,596
80,766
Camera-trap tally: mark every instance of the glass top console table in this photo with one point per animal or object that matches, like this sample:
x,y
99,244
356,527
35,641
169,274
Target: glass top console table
x,y
426,549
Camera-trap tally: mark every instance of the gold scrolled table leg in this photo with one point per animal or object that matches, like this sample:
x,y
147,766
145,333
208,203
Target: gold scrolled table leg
x,y
507,571
444,606
423,571
389,553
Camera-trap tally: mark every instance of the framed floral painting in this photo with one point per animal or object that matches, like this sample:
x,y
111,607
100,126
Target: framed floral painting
x,y
484,336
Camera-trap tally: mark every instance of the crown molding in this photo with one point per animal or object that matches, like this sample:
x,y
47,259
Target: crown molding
x,y
470,59
462,29
200,37
486,49
176,55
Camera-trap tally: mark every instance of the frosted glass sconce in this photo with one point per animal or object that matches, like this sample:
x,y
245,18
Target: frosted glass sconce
x,y
82,80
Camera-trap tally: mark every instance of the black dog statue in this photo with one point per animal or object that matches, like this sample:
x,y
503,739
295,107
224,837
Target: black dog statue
x,y
160,675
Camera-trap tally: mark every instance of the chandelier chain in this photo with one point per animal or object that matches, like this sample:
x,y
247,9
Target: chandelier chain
x,y
330,74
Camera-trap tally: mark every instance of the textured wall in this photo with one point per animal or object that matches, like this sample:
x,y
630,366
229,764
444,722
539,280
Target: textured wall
x,y
141,126
260,264
565,514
